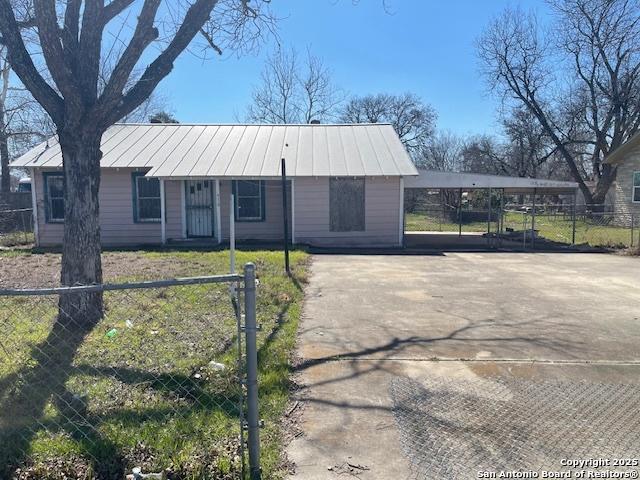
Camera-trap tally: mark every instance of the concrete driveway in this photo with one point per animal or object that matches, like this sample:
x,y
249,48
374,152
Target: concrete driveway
x,y
471,317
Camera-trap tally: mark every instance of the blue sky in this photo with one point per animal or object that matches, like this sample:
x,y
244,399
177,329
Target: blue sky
x,y
422,46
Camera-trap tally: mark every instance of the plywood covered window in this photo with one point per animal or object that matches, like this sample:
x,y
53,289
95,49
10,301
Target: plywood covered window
x,y
636,187
346,204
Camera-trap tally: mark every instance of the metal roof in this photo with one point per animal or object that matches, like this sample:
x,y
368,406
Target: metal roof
x,y
436,179
619,154
182,150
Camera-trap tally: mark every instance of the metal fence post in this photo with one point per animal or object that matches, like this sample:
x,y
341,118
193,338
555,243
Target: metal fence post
x,y
250,326
533,221
573,220
632,228
460,212
489,220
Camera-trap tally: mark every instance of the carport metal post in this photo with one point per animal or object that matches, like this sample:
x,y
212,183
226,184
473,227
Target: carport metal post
x,y
533,221
489,218
573,219
500,227
460,212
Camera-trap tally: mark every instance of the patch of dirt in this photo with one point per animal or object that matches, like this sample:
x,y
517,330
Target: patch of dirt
x,y
43,270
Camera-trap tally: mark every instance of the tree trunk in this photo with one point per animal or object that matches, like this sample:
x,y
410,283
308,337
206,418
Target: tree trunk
x,y
5,178
81,262
607,177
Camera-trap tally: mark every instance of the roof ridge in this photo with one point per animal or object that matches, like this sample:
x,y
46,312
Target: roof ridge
x,y
189,124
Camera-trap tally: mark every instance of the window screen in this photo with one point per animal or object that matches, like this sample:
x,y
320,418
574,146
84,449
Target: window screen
x,y
249,195
54,197
636,187
146,199
346,204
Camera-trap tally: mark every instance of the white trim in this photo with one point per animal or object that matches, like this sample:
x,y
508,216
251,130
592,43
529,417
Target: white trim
x,y
183,207
633,187
401,212
232,237
293,212
34,207
218,220
163,222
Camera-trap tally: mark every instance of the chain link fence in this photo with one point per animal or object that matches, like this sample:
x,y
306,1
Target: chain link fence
x,y
519,220
16,227
550,225
145,379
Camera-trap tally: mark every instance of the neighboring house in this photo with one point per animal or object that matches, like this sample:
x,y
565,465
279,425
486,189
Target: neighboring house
x,y
626,187
166,183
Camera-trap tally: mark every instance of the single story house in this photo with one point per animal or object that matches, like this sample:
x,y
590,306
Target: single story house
x,y
626,188
166,183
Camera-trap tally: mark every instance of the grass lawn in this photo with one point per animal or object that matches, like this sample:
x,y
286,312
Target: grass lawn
x,y
148,395
595,232
416,222
14,239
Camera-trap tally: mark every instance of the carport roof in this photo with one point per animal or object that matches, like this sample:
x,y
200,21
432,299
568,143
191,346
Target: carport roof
x,y
219,150
469,181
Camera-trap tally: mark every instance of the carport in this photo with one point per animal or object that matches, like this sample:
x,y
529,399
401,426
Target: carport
x,y
496,221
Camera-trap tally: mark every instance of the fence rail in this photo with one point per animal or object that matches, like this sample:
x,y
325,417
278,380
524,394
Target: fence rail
x,y
159,378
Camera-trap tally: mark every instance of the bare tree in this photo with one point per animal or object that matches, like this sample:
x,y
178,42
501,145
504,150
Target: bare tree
x,y
22,121
482,154
67,79
528,150
292,91
580,81
155,104
412,119
162,117
442,152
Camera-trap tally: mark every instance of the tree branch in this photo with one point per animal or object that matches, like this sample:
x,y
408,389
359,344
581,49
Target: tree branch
x,y
209,39
89,49
23,64
193,21
144,34
48,32
70,31
113,9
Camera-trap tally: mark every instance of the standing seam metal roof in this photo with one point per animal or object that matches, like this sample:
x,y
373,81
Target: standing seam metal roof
x,y
222,150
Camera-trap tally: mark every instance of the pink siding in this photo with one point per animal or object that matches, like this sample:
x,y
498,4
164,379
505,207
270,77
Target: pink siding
x,y
382,214
271,228
116,213
311,209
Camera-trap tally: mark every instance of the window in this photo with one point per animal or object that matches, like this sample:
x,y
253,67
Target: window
x,y
635,194
346,204
146,198
54,197
249,197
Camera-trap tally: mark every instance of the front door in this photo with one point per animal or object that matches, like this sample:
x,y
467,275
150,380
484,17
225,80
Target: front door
x,y
199,206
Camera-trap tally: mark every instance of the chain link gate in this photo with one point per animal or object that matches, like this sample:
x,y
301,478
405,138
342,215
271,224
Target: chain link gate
x,y
155,383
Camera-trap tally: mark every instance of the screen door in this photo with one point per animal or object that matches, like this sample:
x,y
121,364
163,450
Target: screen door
x,y
199,206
